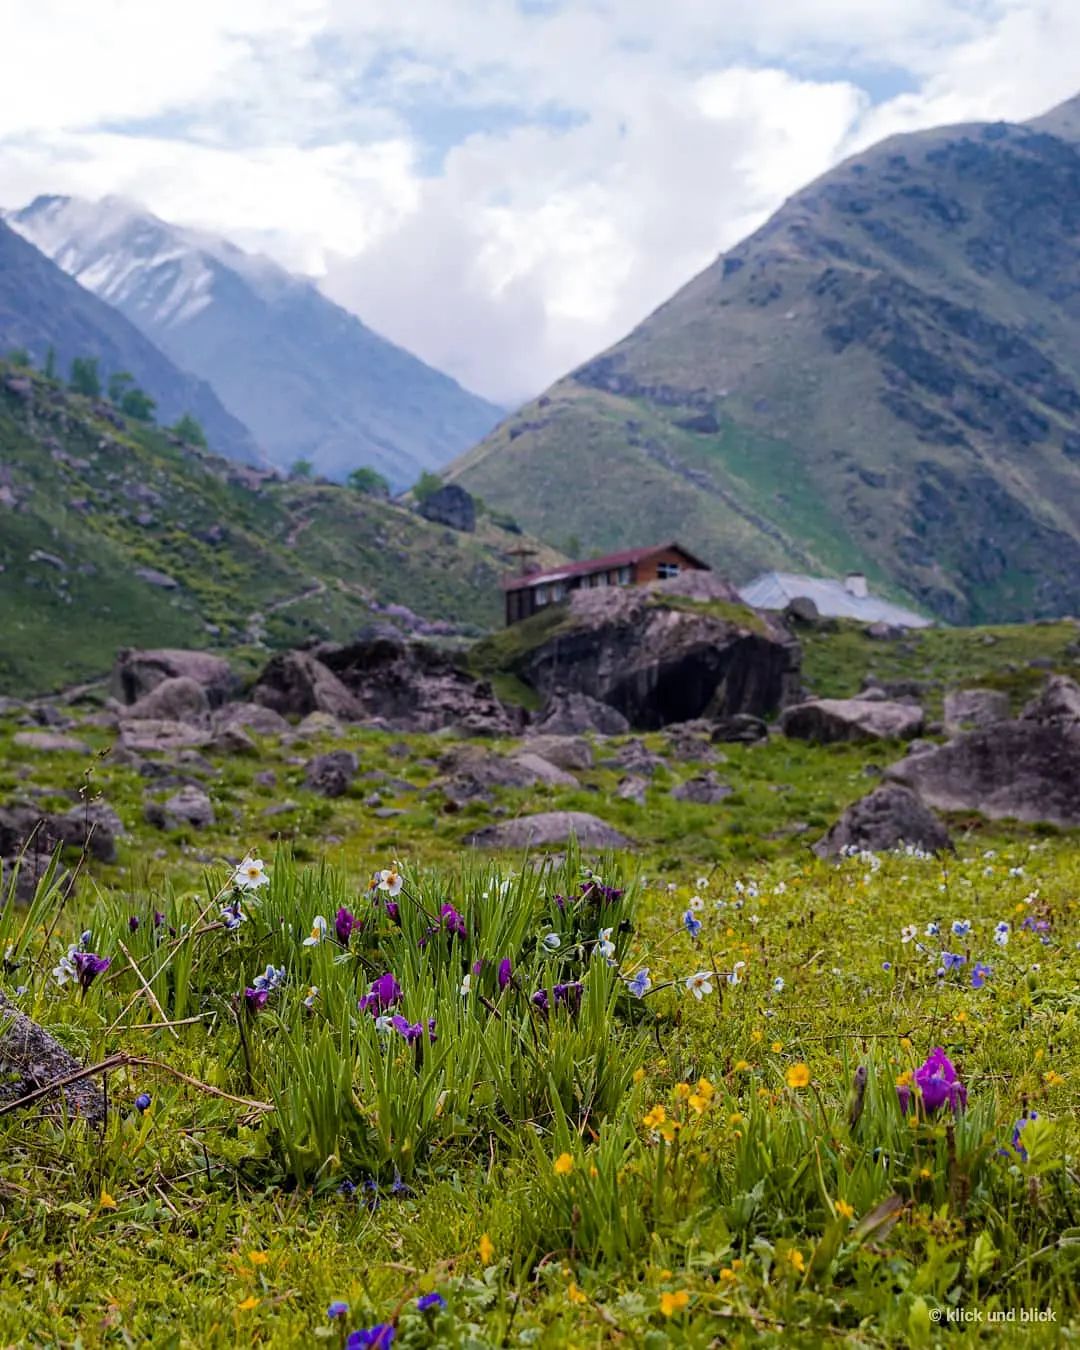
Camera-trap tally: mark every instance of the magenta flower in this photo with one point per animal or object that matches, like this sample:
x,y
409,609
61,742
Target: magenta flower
x,y
344,923
506,971
255,999
393,911
88,967
937,1084
385,992
452,921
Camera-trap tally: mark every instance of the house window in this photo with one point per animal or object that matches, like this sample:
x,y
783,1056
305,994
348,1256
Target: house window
x,y
541,595
667,569
624,576
558,591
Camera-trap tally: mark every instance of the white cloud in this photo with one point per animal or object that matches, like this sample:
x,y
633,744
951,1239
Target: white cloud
x,y
309,128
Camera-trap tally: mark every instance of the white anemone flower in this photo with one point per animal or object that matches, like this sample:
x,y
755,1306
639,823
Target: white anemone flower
x,y
318,931
251,874
700,984
390,880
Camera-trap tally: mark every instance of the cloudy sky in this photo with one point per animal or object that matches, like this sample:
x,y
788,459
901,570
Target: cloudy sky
x,y
502,186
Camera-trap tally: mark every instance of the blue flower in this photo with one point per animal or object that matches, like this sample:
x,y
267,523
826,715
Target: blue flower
x,y
378,1337
337,1309
952,960
1018,1132
778,985
691,923
979,973
961,927
639,983
142,1102
430,1301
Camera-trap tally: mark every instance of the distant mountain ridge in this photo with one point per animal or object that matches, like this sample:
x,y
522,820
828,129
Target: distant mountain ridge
x,y
885,376
310,380
42,307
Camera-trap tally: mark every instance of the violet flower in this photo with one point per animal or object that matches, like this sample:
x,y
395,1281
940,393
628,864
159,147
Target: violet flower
x,y
255,999
506,971
133,923
385,992
88,967
937,1084
378,1337
1017,1134
429,1302
452,921
979,973
344,923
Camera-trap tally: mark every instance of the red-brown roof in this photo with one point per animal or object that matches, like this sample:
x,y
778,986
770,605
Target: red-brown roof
x,y
626,558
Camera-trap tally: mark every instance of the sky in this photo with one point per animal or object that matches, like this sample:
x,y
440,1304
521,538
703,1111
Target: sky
x,y
504,187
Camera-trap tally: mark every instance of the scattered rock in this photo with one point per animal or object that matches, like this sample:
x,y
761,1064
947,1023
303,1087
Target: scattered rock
x,y
966,709
318,724
51,742
252,717
297,683
740,728
153,735
137,672
266,778
30,1059
545,772
451,505
177,698
550,827
636,757
330,775
704,790
801,609
234,740
1058,702
570,713
851,719
886,818
690,741
188,807
153,577
633,789
568,752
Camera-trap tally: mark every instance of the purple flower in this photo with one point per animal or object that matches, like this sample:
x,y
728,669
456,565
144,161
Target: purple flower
x,y
1018,1130
338,1308
570,994
88,967
378,1337
133,923
411,1031
599,894
691,923
344,923
452,921
385,992
159,918
560,902
255,999
540,1000
431,1030
430,1301
142,1102
478,966
398,1187
937,1084
979,973
506,971
952,960
395,914
347,1189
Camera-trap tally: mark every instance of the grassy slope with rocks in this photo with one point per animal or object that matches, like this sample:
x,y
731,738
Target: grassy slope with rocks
x,y
883,376
538,1194
85,504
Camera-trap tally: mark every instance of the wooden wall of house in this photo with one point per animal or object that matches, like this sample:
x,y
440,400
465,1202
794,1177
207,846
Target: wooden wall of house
x,y
648,569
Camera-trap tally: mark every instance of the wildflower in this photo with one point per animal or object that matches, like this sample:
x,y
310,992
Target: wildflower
x,y
248,1303
142,1102
796,1259
670,1304
655,1117
1001,934
696,904
390,880
88,967
574,1294
271,978
638,1075
250,875
430,1302
344,923
506,972
64,969
797,1076
486,1249
133,923
392,911
1052,1078
311,996
952,960
778,985
933,930
564,1165
691,923
255,999
466,985
702,883
639,983
106,1201
232,916
452,921
776,1047
339,1308
909,933
936,1082
384,993
411,1031
318,931
735,973
552,941
258,1258
979,973
604,945
700,984
961,927
845,1210
378,1337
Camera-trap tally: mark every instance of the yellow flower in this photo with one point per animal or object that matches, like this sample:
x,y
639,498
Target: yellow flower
x,y
904,1079
654,1117
905,1042
735,1118
757,1035
594,1171
698,1103
486,1249
1052,1078
106,1201
741,1065
670,1304
961,1016
845,1210
682,1091
564,1164
705,1088
668,1130
795,1258
258,1258
797,1076
250,1302
776,1047
737,1264
639,1075
575,1295
925,1174
728,1274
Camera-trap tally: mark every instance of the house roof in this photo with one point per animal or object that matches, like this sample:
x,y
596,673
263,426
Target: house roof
x,y
775,590
626,558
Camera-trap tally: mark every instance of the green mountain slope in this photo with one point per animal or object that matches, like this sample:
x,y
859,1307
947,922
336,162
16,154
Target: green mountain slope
x,y
887,374
119,536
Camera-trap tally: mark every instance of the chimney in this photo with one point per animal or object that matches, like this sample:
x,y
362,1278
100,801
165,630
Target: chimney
x,y
855,584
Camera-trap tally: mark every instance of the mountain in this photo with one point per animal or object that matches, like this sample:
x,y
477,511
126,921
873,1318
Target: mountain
x,y
886,376
307,377
120,535
41,307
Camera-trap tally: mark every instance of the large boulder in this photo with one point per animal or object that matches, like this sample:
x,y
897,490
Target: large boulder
x,y
296,683
51,742
31,1059
178,698
330,775
550,827
852,719
471,771
156,735
704,790
659,657
450,505
568,752
94,826
190,807
967,709
137,672
252,717
412,686
1057,702
570,713
886,818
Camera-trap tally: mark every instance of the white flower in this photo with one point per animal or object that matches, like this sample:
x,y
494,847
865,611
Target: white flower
x,y
466,984
64,969
1001,934
312,995
384,1023
781,888
552,941
390,880
1016,871
961,927
318,931
696,903
701,884
734,974
933,930
251,874
700,984
909,933
604,946
778,985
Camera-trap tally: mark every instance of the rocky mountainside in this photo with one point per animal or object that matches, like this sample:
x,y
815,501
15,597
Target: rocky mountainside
x,y
41,307
113,534
308,378
885,376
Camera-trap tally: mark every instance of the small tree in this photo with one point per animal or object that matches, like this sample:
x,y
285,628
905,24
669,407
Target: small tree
x,y
190,431
426,486
19,356
138,404
50,363
118,386
84,376
302,469
369,481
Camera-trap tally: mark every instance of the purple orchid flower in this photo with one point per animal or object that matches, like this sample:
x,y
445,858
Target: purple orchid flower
x,y
506,972
344,923
452,921
937,1084
88,967
255,999
385,992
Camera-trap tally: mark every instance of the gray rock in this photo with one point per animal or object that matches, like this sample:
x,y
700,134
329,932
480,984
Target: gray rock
x,y
740,728
550,827
545,772
704,790
330,775
451,505
571,712
30,1059
233,740
633,789
802,609
851,719
319,724
177,698
137,672
188,807
886,818
636,757
568,752
252,717
966,709
1058,702
295,684
153,577
51,742
153,735
94,825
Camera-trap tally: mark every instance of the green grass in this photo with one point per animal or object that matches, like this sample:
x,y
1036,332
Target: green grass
x,y
230,1227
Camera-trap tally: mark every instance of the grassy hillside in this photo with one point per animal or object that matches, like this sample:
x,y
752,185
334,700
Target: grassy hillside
x,y
85,505
885,375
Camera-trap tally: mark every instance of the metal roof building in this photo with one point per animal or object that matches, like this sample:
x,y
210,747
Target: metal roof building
x,y
847,599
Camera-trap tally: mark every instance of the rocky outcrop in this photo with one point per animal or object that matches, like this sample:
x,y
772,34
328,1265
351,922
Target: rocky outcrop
x,y
451,505
570,713
550,827
852,719
137,672
154,735
887,818
658,658
1027,769
252,717
967,709
94,826
177,698
296,683
31,1059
